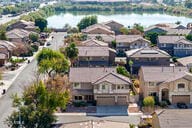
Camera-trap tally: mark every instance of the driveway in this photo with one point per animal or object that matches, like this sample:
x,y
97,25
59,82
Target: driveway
x,y
112,110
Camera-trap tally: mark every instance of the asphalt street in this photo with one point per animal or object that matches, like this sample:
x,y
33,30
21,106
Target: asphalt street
x,y
24,79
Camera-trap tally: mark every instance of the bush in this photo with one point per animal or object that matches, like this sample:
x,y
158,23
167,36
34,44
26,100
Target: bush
x,y
80,104
34,48
149,101
163,104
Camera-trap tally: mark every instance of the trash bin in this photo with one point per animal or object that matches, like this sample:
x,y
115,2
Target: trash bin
x,y
4,91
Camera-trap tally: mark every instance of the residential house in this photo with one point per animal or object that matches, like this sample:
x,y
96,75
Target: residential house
x,y
128,42
18,35
185,61
172,118
179,32
93,42
176,46
147,56
98,29
102,37
95,56
155,29
115,26
22,24
6,49
102,85
172,84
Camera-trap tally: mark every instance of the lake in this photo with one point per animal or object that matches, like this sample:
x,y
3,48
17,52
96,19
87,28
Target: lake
x,y
127,19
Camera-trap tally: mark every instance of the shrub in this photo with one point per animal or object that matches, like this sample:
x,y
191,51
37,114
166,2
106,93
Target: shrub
x,y
80,104
163,104
149,101
34,48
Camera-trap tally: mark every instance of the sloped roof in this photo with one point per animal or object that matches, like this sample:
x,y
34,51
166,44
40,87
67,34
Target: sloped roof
x,y
156,27
7,44
112,21
93,42
185,60
93,51
179,31
129,38
113,78
184,41
147,52
169,39
17,33
105,37
161,74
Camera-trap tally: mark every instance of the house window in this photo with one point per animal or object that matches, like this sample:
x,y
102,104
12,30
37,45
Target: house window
x,y
76,86
181,86
78,98
152,84
163,45
103,87
120,87
153,94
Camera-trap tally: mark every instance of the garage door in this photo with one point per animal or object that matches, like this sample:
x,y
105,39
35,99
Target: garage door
x,y
181,98
122,100
105,100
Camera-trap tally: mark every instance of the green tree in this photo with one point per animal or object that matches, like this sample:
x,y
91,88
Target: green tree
x,y
131,66
34,37
123,71
190,69
189,37
41,23
71,52
138,27
152,36
87,21
50,61
3,35
124,30
38,107
178,22
149,101
114,44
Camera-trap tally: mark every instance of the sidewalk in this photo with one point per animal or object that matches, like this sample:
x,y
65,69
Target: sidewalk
x,y
10,76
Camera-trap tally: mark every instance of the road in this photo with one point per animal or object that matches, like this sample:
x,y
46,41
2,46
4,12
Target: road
x,y
26,77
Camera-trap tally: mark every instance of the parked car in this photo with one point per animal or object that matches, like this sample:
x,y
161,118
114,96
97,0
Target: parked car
x,y
182,105
48,43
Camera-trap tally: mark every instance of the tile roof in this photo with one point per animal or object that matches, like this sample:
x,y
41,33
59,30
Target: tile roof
x,y
93,51
161,74
112,21
169,39
185,60
17,33
93,42
106,38
184,41
147,52
175,118
129,38
7,44
179,31
97,75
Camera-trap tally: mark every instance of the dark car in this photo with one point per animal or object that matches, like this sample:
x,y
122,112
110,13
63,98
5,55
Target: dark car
x,y
48,43
182,105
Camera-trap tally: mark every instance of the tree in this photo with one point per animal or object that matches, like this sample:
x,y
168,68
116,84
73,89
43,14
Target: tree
x,y
152,36
39,106
124,30
123,71
3,35
50,61
190,69
87,21
71,52
178,22
138,27
114,44
34,37
149,101
189,37
41,23
131,66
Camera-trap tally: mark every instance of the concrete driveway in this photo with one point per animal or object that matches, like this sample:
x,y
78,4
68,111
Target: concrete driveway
x,y
112,110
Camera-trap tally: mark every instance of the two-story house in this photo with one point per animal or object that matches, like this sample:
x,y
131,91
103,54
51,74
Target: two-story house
x,y
147,56
176,46
92,56
128,42
102,85
172,84
115,26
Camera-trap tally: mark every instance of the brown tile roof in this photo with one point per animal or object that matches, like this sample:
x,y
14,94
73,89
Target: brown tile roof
x,y
17,33
161,74
175,118
88,74
184,41
179,31
185,60
9,45
93,51
93,42
97,75
129,38
169,39
156,27
147,52
106,38
112,21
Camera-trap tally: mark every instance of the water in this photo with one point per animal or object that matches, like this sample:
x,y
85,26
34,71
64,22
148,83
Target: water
x,y
145,19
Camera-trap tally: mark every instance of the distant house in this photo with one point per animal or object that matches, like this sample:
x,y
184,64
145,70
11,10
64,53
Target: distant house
x,y
92,56
6,49
166,83
147,57
93,42
128,42
115,26
102,85
179,32
22,24
155,29
176,46
98,29
18,35
102,37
